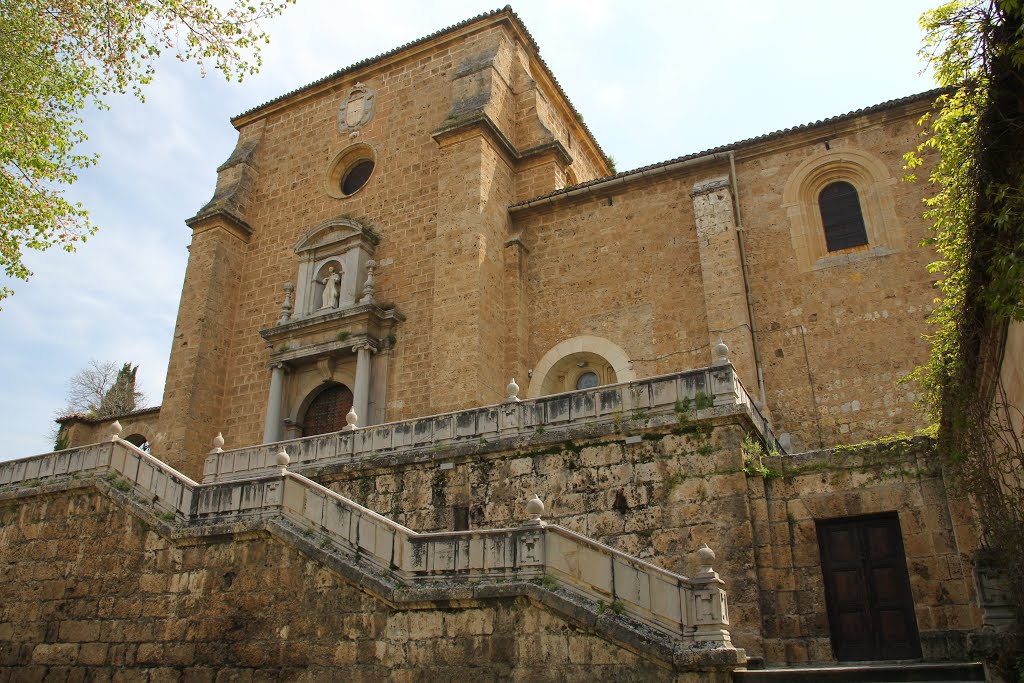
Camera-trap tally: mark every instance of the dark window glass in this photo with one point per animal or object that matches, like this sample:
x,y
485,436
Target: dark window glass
x,y
326,413
357,176
841,216
588,380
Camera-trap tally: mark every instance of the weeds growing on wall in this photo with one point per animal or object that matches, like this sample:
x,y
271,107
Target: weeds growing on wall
x,y
977,51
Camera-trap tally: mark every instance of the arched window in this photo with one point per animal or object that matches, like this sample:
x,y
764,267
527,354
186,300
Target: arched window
x,y
841,216
326,413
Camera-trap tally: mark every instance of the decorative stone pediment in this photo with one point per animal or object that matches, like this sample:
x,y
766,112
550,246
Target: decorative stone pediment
x,y
337,234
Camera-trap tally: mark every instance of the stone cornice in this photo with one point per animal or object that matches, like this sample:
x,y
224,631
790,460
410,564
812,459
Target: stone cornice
x,y
483,123
220,218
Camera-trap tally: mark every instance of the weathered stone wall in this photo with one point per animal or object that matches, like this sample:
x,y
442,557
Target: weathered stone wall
x,y
836,331
452,135
623,267
86,431
90,588
659,494
836,338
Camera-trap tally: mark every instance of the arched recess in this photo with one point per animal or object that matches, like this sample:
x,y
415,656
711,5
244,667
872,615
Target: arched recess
x,y
563,361
139,441
306,386
873,182
330,402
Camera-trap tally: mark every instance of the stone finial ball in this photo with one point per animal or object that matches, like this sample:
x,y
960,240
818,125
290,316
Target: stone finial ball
x,y
721,350
218,441
512,389
115,429
535,507
351,418
282,458
705,555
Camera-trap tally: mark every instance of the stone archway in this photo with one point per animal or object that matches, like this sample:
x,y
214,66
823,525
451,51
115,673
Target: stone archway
x,y
561,368
139,441
325,410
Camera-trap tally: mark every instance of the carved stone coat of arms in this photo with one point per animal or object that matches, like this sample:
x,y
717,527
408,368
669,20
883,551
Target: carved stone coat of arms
x,y
357,109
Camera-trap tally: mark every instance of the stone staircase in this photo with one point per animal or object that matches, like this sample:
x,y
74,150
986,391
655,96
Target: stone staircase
x,y
867,672
679,620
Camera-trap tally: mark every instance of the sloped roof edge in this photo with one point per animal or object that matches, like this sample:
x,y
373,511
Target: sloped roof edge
x,y
369,61
731,147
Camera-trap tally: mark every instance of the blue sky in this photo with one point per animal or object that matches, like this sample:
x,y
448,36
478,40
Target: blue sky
x,y
653,81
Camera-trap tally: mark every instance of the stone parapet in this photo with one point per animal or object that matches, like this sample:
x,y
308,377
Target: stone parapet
x,y
650,402
687,612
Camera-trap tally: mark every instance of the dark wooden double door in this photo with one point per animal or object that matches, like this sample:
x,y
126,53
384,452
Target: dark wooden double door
x,y
867,590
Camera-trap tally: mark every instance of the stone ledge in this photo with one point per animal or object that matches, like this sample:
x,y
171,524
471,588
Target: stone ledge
x,y
695,395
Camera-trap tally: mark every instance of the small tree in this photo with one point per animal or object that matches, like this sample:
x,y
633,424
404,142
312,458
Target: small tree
x,y
102,390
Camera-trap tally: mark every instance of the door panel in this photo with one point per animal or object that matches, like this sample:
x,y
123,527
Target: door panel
x,y
867,590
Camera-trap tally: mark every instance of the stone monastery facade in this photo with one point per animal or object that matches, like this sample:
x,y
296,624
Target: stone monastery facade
x,y
497,243
384,250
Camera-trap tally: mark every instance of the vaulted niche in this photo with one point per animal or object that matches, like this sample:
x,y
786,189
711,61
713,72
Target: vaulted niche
x,y
331,330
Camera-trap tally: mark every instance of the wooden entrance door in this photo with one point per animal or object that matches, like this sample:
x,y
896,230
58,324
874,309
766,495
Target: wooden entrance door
x,y
867,590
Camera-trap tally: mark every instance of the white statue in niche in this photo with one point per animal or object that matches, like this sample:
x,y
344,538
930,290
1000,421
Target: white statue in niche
x,y
332,288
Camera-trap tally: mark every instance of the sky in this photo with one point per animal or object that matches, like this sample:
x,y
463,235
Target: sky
x,y
653,80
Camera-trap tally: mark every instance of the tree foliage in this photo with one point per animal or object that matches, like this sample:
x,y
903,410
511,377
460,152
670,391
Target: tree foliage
x,y
58,57
102,389
977,49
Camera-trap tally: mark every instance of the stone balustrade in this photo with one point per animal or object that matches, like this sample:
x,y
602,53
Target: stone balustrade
x,y
654,400
691,610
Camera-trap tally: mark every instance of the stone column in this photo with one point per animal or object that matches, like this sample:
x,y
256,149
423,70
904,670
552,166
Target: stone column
x,y
361,394
272,425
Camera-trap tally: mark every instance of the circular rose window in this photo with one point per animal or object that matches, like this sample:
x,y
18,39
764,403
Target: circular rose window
x,y
350,171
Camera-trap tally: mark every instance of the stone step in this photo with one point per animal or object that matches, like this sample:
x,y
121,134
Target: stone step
x,y
863,672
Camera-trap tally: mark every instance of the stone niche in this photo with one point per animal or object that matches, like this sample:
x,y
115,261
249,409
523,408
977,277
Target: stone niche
x,y
341,244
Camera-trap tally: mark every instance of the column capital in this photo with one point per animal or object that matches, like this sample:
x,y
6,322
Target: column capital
x,y
364,346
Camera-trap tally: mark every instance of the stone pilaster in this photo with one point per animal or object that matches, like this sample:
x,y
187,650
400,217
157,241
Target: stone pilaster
x,y
724,298
192,408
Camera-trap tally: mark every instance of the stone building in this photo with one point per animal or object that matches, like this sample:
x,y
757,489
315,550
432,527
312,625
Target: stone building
x,y
385,248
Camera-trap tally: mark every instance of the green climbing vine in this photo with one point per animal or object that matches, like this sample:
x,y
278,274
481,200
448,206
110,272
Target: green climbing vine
x,y
977,128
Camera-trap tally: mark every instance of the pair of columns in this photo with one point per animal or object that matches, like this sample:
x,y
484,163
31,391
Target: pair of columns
x,y
275,402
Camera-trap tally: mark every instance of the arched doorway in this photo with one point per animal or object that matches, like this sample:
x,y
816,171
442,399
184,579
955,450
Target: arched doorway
x,y
326,412
139,441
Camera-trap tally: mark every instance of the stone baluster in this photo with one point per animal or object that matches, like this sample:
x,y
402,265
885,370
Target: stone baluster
x,y
370,285
286,307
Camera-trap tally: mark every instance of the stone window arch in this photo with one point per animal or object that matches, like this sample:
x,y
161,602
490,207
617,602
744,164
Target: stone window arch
x,y
871,183
569,364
